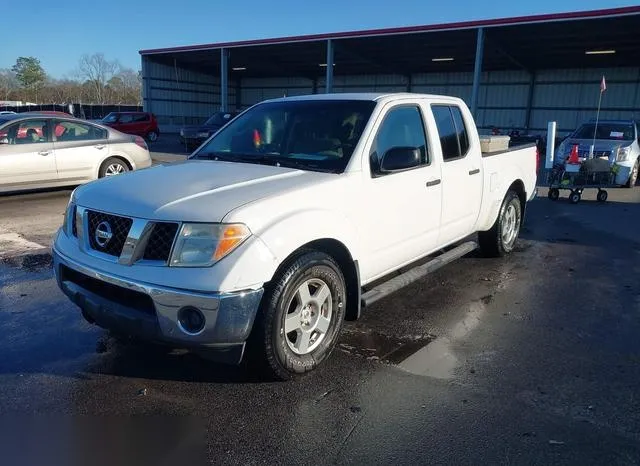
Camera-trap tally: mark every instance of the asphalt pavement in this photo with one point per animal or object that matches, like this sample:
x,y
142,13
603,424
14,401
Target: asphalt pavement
x,y
529,359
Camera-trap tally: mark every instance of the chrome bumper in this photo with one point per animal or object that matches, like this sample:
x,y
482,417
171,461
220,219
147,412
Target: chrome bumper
x,y
151,311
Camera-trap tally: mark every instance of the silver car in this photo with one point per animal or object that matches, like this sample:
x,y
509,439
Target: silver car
x,y
46,151
616,140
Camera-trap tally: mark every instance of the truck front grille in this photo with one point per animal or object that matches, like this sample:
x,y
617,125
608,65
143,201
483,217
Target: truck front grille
x,y
106,224
108,234
160,242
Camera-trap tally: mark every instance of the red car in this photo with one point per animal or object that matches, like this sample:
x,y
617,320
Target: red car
x,y
139,123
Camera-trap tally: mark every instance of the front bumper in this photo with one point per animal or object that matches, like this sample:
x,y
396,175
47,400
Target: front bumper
x,y
150,311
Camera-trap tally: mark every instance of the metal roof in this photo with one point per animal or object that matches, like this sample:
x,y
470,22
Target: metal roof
x,y
525,42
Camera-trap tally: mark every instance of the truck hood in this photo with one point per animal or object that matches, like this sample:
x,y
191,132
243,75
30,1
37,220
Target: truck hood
x,y
195,190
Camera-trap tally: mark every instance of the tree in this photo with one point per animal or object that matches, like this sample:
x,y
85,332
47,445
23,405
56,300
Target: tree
x,y
8,84
30,74
97,71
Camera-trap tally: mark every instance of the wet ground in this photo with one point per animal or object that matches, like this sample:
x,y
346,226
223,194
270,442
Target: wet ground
x,y
531,359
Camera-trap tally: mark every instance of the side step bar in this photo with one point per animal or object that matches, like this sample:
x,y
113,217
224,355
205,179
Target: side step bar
x,y
416,273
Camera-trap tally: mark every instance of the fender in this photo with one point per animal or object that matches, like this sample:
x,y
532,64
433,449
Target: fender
x,y
287,234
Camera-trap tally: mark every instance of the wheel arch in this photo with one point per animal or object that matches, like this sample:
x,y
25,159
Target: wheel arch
x,y
121,157
349,267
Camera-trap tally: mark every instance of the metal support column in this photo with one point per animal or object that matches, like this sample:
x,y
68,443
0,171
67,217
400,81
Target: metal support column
x,y
146,85
314,86
477,72
329,78
532,85
238,94
409,82
224,80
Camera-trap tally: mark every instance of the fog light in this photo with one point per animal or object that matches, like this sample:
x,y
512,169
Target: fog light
x,y
191,320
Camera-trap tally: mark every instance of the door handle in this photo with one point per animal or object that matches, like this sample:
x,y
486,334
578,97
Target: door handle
x,y
99,146
433,183
44,152
474,172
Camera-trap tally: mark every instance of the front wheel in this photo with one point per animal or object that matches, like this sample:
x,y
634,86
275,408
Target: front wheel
x,y
501,238
300,318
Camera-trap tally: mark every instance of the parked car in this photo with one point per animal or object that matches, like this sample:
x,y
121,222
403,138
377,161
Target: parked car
x,y
142,124
7,112
265,237
616,140
193,136
45,151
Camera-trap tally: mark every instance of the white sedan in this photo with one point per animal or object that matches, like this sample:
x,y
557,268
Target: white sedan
x,y
45,151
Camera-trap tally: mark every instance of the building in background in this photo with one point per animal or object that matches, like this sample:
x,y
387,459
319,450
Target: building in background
x,y
514,73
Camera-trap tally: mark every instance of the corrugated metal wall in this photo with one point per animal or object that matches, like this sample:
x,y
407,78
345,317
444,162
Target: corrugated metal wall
x,y
506,99
178,96
566,96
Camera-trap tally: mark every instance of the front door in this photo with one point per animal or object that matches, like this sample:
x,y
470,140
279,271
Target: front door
x,y
400,210
27,158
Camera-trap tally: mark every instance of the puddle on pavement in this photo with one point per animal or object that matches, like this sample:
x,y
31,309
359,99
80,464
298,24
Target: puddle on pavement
x,y
425,355
379,347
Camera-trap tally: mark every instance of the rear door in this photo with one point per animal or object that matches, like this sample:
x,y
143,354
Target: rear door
x,y
27,158
400,217
462,176
79,149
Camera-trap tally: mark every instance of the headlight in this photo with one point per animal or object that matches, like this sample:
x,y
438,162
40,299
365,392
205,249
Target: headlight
x,y
204,244
623,154
69,219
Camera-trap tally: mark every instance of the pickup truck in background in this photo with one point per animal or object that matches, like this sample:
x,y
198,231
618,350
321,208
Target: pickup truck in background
x,y
286,222
616,140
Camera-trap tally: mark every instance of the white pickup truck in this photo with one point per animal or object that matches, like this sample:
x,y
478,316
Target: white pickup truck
x,y
272,233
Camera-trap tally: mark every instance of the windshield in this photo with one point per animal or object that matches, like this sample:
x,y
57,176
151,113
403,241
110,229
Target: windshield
x,y
219,118
110,118
611,131
310,135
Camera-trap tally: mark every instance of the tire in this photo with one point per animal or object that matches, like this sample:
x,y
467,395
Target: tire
x,y
113,166
602,196
152,136
501,238
574,197
284,356
633,177
554,194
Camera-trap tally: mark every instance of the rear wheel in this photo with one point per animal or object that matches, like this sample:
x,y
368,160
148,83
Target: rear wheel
x,y
112,166
300,318
554,194
502,236
152,136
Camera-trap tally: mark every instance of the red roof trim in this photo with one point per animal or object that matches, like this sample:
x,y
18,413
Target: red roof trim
x,y
410,29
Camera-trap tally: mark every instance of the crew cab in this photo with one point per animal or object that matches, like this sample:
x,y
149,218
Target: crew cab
x,y
286,222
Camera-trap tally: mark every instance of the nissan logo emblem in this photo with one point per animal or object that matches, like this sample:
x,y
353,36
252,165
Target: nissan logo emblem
x,y
103,234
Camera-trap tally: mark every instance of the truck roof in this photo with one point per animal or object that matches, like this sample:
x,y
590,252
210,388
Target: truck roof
x,y
372,96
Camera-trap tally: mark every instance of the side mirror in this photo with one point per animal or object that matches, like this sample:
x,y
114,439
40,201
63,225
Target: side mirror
x,y
400,158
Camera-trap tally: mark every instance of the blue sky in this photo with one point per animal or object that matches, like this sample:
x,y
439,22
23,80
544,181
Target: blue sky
x,y
60,32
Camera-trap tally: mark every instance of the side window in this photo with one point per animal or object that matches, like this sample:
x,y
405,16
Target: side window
x,y
401,127
68,131
461,130
139,117
126,118
28,132
447,132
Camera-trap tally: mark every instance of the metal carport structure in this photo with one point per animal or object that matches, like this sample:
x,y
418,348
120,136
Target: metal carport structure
x,y
512,72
